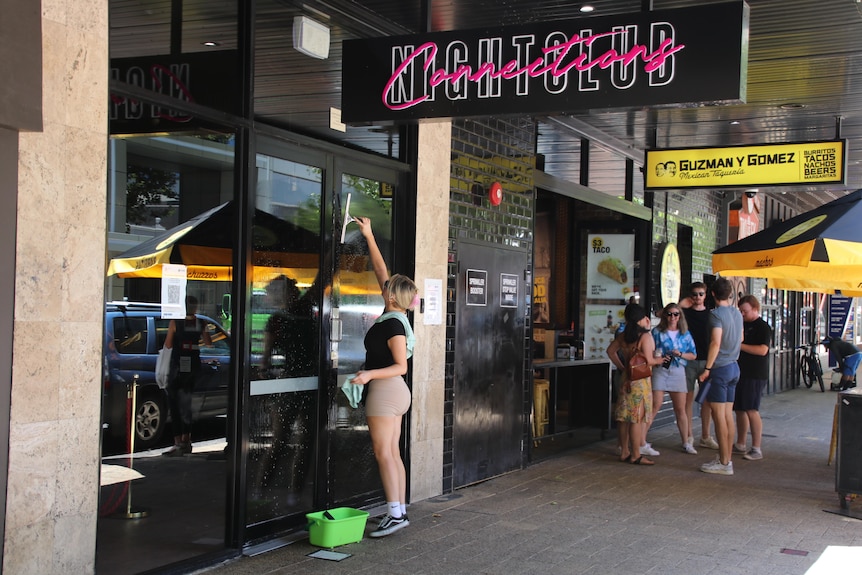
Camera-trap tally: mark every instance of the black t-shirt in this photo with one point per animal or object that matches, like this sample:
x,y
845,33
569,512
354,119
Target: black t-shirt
x,y
755,332
377,353
698,326
841,349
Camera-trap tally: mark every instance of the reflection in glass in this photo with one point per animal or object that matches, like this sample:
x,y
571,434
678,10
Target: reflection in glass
x,y
155,184
285,313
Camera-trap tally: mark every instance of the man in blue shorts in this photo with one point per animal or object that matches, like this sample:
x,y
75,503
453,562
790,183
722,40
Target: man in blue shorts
x,y
848,357
722,373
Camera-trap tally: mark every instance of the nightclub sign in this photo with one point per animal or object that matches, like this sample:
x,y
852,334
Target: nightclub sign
x,y
663,57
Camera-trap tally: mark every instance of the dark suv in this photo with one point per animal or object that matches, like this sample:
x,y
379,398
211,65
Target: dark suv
x,y
134,334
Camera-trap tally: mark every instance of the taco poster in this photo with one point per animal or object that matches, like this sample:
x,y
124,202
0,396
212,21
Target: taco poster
x,y
610,261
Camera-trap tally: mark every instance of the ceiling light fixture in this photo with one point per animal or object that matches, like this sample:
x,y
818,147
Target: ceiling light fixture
x,y
210,43
734,122
586,8
792,106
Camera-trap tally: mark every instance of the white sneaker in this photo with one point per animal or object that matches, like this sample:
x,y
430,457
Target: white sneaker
x,y
717,468
646,449
739,450
690,440
708,442
689,448
753,455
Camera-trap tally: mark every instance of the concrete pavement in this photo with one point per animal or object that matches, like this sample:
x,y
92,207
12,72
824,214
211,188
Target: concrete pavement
x,y
584,512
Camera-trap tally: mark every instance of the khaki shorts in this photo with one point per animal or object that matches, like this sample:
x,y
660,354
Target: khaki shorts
x,y
693,368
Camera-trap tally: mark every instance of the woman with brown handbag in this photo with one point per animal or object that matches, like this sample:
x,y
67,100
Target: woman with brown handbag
x,y
634,403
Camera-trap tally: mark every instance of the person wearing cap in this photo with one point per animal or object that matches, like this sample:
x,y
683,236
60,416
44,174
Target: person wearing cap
x,y
848,357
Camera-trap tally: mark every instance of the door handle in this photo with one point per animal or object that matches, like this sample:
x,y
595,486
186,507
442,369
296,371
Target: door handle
x,y
335,326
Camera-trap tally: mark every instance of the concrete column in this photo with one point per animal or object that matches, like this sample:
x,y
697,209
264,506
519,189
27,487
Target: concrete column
x,y
432,233
54,426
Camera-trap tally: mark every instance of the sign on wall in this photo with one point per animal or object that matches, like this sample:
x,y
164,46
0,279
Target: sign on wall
x,y
763,165
610,260
670,276
686,55
508,290
477,287
600,326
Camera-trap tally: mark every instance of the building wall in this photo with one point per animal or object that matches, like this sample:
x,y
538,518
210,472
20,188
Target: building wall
x,y
52,494
699,209
485,151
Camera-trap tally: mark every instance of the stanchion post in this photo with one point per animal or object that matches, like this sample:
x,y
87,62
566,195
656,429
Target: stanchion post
x,y
130,512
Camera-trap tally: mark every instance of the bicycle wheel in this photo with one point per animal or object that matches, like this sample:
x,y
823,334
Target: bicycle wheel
x,y
804,377
818,371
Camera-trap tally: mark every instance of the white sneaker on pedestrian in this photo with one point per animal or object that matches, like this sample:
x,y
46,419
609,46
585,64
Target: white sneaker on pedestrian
x,y
740,450
717,468
754,454
646,449
690,440
689,448
708,442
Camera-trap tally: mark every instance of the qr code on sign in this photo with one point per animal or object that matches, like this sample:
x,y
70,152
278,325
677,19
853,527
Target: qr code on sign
x,y
174,295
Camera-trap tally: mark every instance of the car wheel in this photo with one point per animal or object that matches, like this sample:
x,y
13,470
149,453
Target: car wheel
x,y
150,417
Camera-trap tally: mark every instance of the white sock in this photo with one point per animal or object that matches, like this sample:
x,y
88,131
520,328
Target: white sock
x,y
403,509
394,509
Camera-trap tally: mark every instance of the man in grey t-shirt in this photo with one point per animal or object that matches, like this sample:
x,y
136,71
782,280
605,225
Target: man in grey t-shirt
x,y
722,373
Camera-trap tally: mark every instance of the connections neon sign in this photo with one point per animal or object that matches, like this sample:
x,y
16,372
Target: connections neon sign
x,y
649,58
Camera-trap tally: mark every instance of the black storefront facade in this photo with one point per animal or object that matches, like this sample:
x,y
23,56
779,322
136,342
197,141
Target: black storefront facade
x,y
184,141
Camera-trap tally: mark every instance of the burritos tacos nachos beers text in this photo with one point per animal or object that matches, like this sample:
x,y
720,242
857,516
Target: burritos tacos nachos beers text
x,y
614,269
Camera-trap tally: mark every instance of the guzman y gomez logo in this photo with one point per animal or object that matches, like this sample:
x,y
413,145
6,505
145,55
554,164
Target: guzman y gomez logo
x,y
556,59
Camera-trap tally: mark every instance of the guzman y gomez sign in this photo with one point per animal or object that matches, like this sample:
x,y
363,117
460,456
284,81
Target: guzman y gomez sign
x,y
689,55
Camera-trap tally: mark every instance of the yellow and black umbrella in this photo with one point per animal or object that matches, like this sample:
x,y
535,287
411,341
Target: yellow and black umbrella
x,y
205,244
820,250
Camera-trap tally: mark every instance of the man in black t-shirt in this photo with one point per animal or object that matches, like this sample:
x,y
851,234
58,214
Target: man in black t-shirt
x,y
697,317
753,374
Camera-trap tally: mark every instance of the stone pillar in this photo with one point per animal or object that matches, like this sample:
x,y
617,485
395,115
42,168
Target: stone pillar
x,y
432,234
54,426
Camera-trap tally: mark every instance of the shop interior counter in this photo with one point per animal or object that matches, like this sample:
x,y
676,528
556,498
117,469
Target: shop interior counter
x,y
571,394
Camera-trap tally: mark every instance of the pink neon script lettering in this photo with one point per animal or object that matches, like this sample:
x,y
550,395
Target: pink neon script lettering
x,y
536,68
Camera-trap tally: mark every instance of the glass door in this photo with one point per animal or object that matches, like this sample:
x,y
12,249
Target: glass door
x,y
356,303
313,297
284,345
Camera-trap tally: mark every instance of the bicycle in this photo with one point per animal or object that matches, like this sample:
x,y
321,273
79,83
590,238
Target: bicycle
x,y
810,368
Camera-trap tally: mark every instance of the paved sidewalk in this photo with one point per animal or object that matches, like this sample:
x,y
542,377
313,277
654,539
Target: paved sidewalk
x,y
584,512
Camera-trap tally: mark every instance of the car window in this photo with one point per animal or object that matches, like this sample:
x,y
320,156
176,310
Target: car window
x,y
130,335
161,331
220,341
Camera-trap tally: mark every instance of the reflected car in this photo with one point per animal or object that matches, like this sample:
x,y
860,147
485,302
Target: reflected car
x,y
134,334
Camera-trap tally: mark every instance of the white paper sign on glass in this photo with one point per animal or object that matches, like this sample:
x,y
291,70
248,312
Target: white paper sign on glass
x,y
174,281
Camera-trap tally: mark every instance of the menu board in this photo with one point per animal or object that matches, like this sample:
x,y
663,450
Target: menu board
x,y
600,326
610,261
